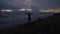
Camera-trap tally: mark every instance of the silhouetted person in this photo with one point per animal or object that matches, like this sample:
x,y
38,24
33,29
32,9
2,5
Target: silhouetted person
x,y
29,16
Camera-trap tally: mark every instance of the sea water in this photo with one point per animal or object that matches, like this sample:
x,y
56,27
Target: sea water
x,y
17,18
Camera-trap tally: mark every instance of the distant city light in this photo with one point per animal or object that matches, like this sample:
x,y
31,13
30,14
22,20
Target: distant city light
x,y
6,10
43,10
21,10
46,10
25,9
50,10
29,9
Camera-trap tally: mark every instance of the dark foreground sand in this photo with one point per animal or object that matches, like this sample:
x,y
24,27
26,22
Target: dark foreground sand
x,y
49,25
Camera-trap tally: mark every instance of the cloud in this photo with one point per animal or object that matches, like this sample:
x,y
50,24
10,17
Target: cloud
x,y
36,3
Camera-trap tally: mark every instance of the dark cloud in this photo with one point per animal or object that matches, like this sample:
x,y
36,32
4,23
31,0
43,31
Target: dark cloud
x,y
4,5
36,3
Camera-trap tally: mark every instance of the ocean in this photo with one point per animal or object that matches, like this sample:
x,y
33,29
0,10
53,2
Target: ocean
x,y
17,18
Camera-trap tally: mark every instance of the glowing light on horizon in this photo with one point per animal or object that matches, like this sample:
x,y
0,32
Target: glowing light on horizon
x,y
29,9
6,10
46,10
21,10
50,10
25,9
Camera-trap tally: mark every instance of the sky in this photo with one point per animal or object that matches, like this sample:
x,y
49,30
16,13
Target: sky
x,y
28,3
